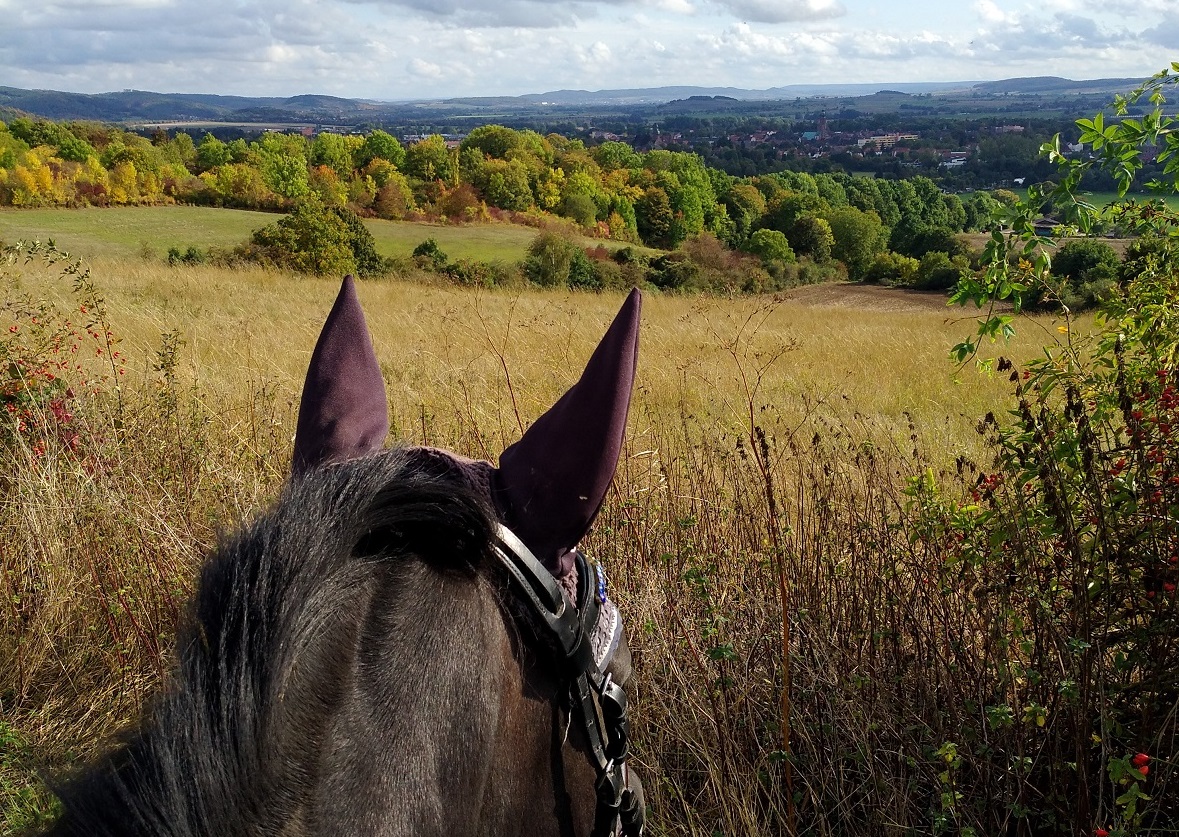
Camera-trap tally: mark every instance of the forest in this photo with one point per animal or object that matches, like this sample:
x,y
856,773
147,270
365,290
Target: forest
x,y
872,228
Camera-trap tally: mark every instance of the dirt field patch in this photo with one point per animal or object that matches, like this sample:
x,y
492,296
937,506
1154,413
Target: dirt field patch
x,y
868,298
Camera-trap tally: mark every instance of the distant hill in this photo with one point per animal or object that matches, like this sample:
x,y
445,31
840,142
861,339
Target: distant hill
x,y
661,95
141,105
1054,84
147,108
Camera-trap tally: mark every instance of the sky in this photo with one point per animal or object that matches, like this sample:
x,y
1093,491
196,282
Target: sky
x,y
422,49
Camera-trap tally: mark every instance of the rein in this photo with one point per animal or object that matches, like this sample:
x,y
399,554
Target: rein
x,y
599,702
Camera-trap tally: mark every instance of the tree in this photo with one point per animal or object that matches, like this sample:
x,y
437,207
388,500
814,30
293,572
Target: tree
x,y
924,240
581,208
769,246
494,141
979,208
430,159
505,184
787,207
830,190
335,152
379,145
616,155
653,217
180,149
285,174
746,206
394,198
211,153
858,237
811,236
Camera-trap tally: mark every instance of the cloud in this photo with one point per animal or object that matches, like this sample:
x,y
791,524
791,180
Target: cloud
x,y
993,15
538,14
783,11
397,49
1166,34
424,69
682,7
594,57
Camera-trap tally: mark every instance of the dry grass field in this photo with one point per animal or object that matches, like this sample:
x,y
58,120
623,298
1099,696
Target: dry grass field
x,y
769,444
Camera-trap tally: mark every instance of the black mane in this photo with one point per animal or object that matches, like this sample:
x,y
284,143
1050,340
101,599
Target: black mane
x,y
270,646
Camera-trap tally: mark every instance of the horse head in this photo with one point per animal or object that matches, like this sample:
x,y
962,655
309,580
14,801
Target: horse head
x,y
544,494
408,642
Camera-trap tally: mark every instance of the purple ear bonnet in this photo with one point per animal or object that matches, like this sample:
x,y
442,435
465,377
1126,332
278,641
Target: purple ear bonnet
x,y
343,413
549,485
552,482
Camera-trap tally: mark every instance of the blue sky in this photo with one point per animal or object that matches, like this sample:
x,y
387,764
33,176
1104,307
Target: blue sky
x,y
405,49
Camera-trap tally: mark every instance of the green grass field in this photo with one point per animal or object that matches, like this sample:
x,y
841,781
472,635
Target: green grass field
x,y
127,231
130,231
1103,198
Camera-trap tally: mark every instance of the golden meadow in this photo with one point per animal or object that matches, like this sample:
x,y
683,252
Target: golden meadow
x,y
770,444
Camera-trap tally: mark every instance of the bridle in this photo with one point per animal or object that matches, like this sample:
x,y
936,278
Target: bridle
x,y
598,702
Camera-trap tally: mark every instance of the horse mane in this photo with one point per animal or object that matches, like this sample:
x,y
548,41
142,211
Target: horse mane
x,y
271,643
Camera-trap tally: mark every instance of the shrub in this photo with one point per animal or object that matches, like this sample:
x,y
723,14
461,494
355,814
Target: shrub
x,y
192,255
315,238
1086,272
471,273
583,272
937,271
50,356
674,271
815,273
890,268
548,260
1073,539
429,255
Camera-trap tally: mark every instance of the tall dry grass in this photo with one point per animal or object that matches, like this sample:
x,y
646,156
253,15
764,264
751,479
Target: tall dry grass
x,y
764,473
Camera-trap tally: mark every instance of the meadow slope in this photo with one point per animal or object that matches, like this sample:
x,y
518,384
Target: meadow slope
x,y
826,404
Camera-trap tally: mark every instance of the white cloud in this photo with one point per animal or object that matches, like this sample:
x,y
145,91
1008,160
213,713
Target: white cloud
x,y
426,48
682,7
424,69
782,11
992,14
596,56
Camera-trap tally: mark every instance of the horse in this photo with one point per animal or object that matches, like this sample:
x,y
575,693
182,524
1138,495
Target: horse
x,y
408,642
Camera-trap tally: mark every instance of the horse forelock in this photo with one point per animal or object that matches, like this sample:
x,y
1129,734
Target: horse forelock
x,y
272,644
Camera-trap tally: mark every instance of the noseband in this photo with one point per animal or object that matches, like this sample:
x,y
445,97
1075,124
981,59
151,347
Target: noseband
x,y
598,702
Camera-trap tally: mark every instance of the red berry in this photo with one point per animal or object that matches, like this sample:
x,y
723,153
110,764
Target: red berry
x,y
1101,832
1140,760
1144,770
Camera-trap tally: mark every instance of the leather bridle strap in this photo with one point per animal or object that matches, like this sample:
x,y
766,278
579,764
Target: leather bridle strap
x,y
599,702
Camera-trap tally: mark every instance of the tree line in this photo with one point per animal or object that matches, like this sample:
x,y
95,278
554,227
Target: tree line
x,y
877,229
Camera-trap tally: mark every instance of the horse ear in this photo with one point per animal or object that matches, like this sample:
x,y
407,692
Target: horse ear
x,y
551,483
343,413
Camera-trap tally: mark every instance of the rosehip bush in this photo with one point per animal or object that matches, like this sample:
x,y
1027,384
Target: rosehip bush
x,y
50,352
1072,542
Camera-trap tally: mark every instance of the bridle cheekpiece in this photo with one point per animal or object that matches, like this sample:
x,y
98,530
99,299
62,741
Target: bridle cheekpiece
x,y
598,702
